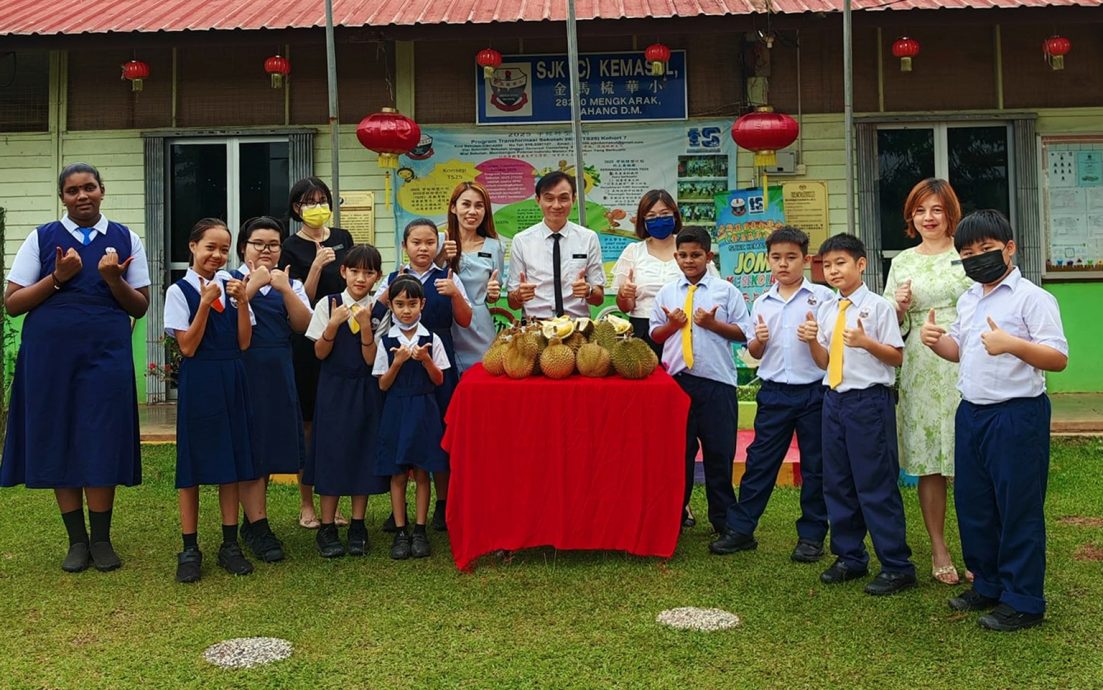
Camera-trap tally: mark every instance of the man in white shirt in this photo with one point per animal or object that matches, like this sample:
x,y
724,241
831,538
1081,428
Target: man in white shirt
x,y
555,266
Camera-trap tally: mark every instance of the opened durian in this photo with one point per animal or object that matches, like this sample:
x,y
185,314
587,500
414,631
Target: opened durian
x,y
557,360
633,358
559,327
592,360
620,326
585,327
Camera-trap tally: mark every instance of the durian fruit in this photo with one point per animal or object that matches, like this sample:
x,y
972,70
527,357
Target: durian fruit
x,y
493,359
620,326
517,362
557,360
633,359
531,342
585,327
604,335
574,341
559,327
592,360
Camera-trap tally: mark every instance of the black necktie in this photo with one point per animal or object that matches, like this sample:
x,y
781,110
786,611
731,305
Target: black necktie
x,y
557,275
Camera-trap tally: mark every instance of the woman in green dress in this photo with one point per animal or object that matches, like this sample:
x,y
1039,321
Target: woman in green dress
x,y
921,279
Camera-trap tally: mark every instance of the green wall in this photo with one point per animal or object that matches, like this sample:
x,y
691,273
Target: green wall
x,y
1083,320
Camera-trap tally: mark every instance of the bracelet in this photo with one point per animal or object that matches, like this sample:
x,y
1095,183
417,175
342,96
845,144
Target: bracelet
x,y
328,340
363,344
57,283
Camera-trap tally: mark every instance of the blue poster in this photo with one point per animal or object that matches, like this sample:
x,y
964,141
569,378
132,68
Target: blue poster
x,y
743,221
535,89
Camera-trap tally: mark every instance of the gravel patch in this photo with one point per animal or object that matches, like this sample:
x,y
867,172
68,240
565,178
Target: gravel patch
x,y
247,652
693,618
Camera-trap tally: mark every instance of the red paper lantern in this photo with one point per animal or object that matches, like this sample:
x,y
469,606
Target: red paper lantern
x,y
277,68
905,48
390,134
658,55
490,60
134,72
1055,48
765,132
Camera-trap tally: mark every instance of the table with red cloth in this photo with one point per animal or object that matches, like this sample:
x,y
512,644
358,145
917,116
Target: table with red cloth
x,y
578,463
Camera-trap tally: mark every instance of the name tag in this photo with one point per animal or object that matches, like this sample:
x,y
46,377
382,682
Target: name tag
x,y
486,255
337,247
578,256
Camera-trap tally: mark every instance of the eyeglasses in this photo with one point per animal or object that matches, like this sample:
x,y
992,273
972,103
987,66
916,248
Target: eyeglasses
x,y
307,205
270,247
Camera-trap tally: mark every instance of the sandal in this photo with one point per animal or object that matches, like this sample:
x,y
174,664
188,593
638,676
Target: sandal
x,y
312,523
946,574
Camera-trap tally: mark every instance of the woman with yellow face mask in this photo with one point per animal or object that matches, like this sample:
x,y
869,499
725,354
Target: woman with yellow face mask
x,y
312,255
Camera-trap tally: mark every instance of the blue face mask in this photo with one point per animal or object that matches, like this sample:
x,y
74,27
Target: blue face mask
x,y
659,227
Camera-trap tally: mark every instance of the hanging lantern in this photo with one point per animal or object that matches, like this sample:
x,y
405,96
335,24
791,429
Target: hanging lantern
x,y
134,72
390,134
1055,48
905,48
658,55
490,60
277,68
764,132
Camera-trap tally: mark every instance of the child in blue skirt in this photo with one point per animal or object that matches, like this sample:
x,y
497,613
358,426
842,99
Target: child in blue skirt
x,y
207,311
281,308
410,363
348,403
446,304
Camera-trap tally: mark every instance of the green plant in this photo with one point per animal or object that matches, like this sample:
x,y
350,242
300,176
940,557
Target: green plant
x,y
168,371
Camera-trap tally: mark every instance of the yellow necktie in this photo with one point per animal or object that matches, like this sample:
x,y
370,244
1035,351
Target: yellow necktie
x,y
835,363
354,325
687,330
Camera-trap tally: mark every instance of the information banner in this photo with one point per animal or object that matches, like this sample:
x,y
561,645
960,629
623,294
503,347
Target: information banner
x,y
743,221
806,208
533,89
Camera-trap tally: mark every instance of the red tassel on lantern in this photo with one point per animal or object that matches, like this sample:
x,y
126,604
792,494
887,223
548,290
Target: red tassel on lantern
x,y
490,60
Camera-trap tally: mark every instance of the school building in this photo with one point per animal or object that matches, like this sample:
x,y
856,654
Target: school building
x,y
1003,97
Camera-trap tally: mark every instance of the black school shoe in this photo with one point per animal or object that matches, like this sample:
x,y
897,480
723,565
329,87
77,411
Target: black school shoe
x,y
358,542
329,544
266,546
233,560
841,572
419,548
104,557
731,541
400,548
77,558
439,523
189,564
890,583
1003,618
807,551
972,600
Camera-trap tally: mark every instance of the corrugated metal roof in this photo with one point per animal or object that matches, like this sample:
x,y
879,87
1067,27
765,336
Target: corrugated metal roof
x,y
47,17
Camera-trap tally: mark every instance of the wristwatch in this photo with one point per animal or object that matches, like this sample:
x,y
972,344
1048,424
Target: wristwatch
x,y
57,283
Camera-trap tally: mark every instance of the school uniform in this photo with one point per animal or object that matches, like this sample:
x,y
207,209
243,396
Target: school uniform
x,y
790,400
346,411
476,267
861,462
533,253
709,380
73,416
437,318
279,446
213,416
411,429
1002,445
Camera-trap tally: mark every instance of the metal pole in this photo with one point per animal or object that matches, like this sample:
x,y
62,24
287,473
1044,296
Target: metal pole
x,y
576,115
334,118
848,114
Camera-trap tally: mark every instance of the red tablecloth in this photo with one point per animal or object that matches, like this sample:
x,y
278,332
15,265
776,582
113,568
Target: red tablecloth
x,y
575,464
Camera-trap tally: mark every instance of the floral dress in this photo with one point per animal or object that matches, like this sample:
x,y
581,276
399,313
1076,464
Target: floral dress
x,y
928,383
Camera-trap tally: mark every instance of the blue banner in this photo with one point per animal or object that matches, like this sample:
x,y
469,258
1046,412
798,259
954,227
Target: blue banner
x,y
534,89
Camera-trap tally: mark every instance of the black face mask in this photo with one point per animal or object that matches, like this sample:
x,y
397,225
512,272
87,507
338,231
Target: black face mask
x,y
985,268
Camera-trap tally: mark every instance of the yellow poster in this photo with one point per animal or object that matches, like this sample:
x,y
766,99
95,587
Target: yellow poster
x,y
358,215
806,208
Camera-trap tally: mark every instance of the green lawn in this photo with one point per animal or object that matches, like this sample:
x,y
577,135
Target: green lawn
x,y
544,620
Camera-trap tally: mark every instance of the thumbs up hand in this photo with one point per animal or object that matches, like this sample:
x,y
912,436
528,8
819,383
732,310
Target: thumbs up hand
x,y
761,330
705,318
109,267
809,330
580,288
493,287
526,290
338,313
856,337
446,286
67,265
259,275
676,316
996,340
208,291
449,250
628,290
903,296
930,333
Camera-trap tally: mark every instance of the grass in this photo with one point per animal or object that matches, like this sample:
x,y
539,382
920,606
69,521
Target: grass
x,y
545,619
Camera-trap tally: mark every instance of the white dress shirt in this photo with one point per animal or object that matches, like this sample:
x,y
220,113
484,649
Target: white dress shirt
x,y
861,369
787,358
1024,310
177,314
382,359
321,313
650,273
423,277
531,254
28,260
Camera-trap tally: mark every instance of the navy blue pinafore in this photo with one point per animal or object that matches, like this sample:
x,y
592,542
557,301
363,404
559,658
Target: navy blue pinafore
x,y
213,418
346,422
277,430
73,418
411,430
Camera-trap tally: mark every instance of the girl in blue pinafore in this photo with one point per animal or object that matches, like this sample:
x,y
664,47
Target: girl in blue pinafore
x,y
280,307
207,311
73,418
348,403
411,363
446,305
